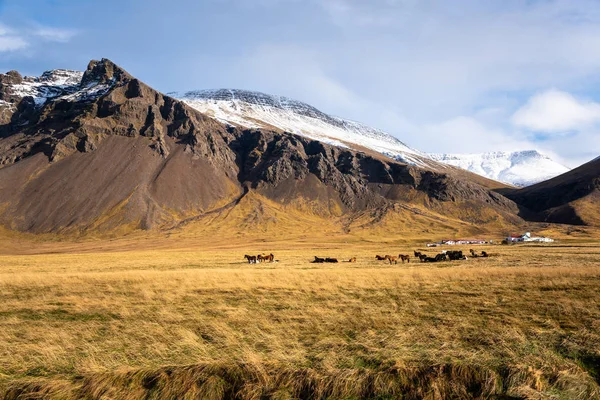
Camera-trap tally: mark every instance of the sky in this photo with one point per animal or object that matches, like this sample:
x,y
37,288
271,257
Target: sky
x,y
458,76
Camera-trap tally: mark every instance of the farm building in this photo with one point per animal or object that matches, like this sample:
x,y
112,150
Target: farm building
x,y
451,242
528,238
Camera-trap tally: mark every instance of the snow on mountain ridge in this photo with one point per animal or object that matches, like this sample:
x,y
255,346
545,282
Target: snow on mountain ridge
x,y
255,110
62,84
518,168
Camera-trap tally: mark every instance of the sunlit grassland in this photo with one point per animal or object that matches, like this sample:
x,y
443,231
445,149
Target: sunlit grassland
x,y
166,323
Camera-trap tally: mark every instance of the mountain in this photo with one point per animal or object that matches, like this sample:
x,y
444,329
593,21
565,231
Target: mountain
x,y
259,110
102,151
571,198
519,168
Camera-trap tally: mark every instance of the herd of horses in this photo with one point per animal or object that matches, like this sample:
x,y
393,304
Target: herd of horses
x,y
446,255
260,258
394,259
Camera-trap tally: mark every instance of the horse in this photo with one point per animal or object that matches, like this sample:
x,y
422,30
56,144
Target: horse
x,y
353,259
473,253
380,258
251,259
331,260
440,257
319,260
392,259
404,258
455,255
269,258
417,254
484,254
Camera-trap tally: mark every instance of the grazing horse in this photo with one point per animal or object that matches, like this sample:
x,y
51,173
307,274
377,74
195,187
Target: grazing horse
x,y
319,260
251,259
331,260
353,259
417,254
404,257
380,258
484,254
392,259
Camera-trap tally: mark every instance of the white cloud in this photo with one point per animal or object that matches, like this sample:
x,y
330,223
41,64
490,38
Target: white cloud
x,y
11,43
55,34
555,111
13,39
297,73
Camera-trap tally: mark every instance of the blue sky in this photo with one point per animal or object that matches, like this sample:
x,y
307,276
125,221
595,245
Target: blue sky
x,y
460,76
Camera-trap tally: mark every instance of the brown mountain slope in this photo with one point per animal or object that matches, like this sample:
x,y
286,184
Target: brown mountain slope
x,y
570,198
114,154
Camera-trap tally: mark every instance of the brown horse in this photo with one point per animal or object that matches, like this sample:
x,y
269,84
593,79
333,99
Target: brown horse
x,y
473,254
251,259
269,257
380,258
319,260
331,260
484,254
353,259
392,259
404,257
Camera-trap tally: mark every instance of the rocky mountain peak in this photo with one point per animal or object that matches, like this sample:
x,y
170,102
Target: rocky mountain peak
x,y
103,72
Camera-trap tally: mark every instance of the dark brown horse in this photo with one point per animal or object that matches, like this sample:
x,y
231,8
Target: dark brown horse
x,y
380,258
404,257
251,259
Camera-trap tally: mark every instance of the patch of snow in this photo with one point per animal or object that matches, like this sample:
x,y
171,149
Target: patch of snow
x,y
58,84
520,168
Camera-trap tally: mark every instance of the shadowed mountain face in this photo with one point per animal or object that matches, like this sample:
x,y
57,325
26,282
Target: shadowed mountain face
x,y
103,151
570,198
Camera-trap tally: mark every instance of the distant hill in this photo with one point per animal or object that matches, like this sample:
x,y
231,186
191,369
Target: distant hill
x,y
571,198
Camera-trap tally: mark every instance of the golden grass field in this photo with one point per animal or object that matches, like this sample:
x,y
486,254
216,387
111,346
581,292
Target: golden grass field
x,y
188,319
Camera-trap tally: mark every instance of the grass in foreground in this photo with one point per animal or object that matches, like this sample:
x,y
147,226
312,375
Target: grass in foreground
x,y
202,324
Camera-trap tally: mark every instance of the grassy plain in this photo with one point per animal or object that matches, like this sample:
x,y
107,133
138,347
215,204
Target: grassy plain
x,y
101,320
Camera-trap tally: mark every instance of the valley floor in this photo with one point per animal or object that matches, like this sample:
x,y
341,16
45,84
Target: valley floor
x,y
189,323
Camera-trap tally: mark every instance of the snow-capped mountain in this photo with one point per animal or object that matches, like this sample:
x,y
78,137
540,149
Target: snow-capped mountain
x,y
55,84
259,110
519,168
